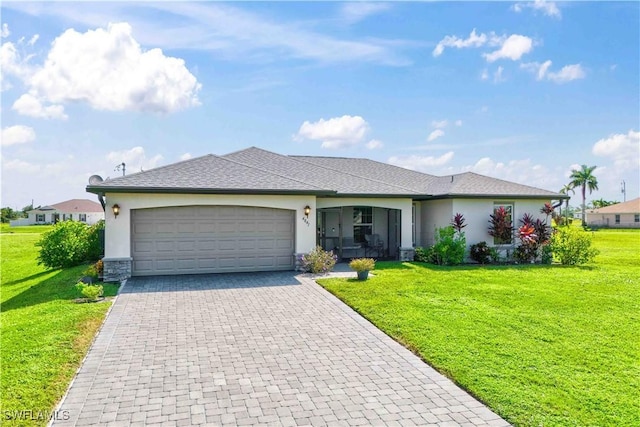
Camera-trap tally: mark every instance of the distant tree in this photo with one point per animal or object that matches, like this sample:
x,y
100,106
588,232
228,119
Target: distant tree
x,y
565,190
601,203
7,214
585,179
26,209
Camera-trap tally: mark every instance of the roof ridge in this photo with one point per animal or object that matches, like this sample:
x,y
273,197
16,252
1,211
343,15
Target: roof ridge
x,y
359,176
271,172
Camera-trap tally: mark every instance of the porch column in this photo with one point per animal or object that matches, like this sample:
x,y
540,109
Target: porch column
x,y
406,246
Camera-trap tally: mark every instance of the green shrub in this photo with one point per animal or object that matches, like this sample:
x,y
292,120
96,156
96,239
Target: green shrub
x,y
423,254
70,243
318,261
91,292
546,254
481,253
95,249
572,246
362,264
449,248
65,245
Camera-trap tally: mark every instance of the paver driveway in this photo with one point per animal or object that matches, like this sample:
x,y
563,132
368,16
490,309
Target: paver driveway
x,y
262,348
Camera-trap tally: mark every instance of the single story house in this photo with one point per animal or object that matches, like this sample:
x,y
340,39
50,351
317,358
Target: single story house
x,y
255,210
82,210
620,215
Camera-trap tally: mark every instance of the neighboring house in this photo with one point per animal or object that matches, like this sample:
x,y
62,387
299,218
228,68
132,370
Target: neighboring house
x,y
82,210
620,215
255,210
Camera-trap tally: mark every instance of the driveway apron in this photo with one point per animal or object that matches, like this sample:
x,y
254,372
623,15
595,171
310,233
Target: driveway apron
x,y
254,349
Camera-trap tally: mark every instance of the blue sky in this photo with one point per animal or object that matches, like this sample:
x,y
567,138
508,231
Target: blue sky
x,y
519,91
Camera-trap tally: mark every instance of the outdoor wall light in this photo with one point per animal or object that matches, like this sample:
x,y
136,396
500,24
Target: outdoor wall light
x,y
307,210
116,210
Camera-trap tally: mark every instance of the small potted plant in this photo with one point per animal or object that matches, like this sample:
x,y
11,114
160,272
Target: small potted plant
x,y
362,266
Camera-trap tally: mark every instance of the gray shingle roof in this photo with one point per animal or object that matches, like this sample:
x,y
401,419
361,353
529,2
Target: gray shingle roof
x,y
416,181
344,182
207,174
473,184
254,170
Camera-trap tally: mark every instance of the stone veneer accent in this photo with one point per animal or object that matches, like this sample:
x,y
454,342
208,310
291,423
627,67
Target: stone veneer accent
x,y
407,254
116,269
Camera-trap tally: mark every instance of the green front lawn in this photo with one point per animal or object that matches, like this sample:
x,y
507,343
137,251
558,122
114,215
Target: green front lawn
x,y
541,345
43,334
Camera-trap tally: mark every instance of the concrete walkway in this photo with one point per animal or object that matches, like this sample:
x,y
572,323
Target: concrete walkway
x,y
254,349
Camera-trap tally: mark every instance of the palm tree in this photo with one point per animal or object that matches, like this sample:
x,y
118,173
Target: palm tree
x,y
584,178
565,190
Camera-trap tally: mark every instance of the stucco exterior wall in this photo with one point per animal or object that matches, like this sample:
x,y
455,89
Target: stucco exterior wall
x,y
118,230
627,220
433,214
439,213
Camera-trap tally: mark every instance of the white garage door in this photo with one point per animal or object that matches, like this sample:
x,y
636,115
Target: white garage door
x,y
211,239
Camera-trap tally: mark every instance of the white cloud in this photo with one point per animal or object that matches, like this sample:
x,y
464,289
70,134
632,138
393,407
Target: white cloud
x,y
512,48
439,124
566,73
135,159
186,156
5,31
17,134
435,135
230,32
484,75
374,144
474,40
29,105
33,39
235,32
12,63
549,8
416,162
338,132
458,123
17,165
108,70
623,149
497,75
522,171
357,11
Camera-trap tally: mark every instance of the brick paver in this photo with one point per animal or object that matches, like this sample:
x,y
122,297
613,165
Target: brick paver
x,y
254,349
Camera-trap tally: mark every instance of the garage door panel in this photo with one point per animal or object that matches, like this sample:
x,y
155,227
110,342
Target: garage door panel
x,y
206,227
206,245
209,239
186,227
164,246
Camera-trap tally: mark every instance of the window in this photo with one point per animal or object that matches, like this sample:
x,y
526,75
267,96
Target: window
x,y
362,223
55,218
40,218
82,217
504,227
617,219
636,218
